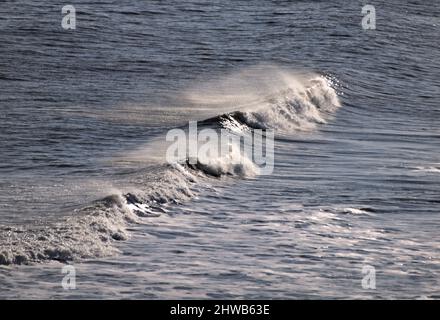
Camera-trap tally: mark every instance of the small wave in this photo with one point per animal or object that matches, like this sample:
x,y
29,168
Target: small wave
x,y
428,169
358,211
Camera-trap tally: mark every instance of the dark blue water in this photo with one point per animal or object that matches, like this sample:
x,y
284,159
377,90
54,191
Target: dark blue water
x,y
359,189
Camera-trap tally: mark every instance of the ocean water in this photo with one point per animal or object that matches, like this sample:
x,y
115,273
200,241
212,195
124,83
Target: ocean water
x,y
356,180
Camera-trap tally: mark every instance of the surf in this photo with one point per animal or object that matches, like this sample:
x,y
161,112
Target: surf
x,y
257,99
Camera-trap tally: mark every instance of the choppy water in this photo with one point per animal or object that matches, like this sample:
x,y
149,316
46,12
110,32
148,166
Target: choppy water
x,y
357,164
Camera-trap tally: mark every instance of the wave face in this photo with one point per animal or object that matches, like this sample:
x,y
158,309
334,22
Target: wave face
x,y
93,230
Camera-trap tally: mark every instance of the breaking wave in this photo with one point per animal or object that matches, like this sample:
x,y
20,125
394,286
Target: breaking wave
x,y
296,108
93,230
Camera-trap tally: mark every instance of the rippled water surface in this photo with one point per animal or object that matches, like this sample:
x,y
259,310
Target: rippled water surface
x,y
359,188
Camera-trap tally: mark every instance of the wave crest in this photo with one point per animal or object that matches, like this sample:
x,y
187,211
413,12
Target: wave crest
x,y
300,107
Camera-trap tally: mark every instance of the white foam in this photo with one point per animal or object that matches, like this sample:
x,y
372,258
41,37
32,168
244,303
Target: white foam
x,y
355,211
300,106
234,163
429,169
92,231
